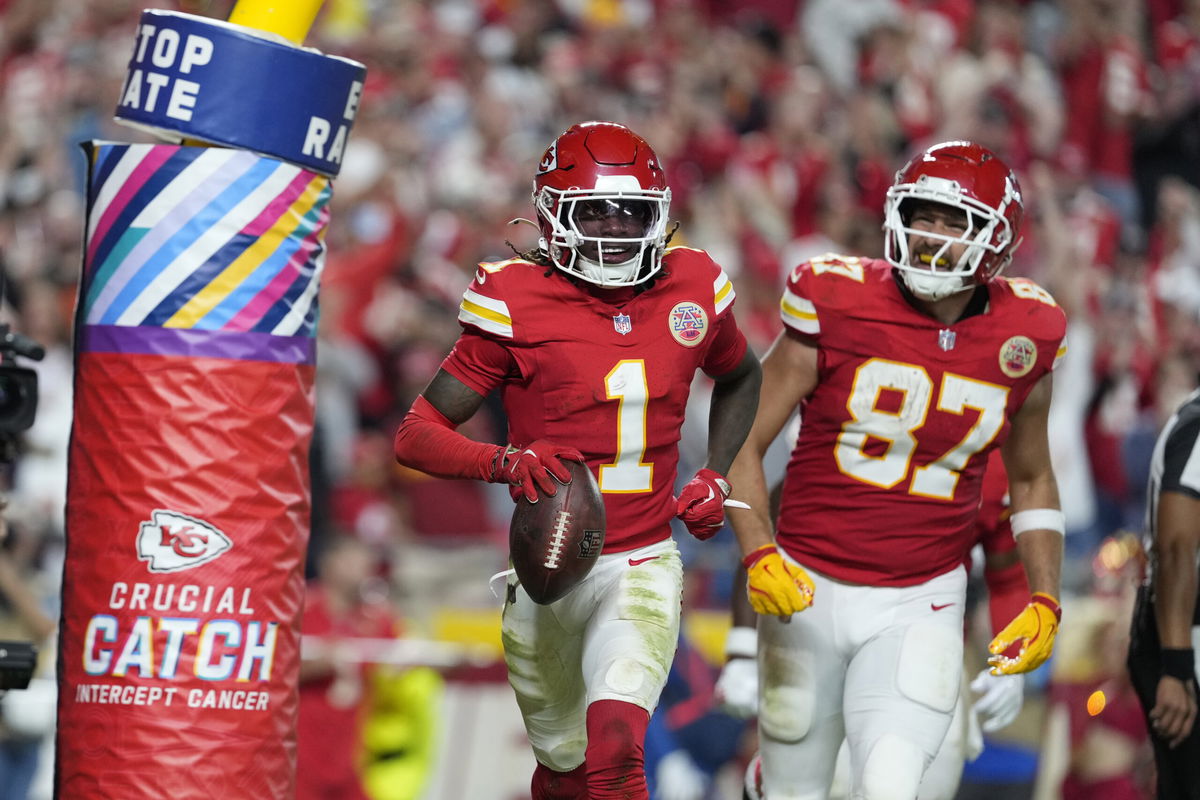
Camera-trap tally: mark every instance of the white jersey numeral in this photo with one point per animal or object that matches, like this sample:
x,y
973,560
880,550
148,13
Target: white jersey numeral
x,y
889,403
626,383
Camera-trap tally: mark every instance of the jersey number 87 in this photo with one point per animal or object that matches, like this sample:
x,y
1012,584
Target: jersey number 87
x,y
899,428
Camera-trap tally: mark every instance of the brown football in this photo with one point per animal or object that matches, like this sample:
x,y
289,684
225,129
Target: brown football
x,y
554,543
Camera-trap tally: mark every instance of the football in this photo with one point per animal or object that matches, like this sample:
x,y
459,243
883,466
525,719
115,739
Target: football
x,y
554,543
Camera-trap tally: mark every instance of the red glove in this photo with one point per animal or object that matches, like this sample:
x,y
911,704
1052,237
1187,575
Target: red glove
x,y
530,469
701,504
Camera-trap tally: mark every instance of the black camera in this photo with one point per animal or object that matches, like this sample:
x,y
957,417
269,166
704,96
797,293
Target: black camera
x,y
17,663
18,388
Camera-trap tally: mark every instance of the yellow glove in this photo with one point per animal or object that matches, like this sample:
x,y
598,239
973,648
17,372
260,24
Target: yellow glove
x,y
1027,641
774,586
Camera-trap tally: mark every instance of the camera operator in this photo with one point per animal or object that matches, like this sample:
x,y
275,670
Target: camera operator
x,y
33,450
27,703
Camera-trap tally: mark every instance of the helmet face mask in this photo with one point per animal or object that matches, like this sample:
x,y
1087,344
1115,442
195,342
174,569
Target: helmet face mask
x,y
963,179
602,203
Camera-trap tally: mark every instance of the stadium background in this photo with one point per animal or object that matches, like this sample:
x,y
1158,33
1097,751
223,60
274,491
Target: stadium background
x,y
781,123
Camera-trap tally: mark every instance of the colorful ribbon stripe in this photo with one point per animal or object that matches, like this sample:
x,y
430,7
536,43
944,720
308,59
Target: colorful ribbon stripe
x,y
203,239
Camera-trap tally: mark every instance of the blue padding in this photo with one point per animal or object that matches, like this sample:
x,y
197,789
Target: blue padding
x,y
1002,762
197,78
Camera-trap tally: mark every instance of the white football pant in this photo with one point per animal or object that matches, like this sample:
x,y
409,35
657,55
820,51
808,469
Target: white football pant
x,y
878,666
612,637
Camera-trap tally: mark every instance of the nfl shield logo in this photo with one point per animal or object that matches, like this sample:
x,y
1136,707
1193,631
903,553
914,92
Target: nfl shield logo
x,y
622,323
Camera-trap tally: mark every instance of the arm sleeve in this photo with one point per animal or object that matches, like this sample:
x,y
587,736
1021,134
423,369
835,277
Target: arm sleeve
x,y
427,440
1008,594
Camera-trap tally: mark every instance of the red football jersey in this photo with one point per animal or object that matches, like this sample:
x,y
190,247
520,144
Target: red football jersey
x,y
883,486
609,380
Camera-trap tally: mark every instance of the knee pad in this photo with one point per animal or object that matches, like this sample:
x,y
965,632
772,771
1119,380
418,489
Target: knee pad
x,y
893,770
565,756
786,702
929,669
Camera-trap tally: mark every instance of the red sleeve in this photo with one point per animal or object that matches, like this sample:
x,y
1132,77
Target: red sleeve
x,y
1008,594
480,362
727,349
426,440
1008,588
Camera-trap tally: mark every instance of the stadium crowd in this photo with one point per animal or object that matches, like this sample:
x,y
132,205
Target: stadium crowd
x,y
781,123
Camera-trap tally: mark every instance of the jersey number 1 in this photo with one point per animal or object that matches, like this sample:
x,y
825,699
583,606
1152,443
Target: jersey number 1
x,y
626,383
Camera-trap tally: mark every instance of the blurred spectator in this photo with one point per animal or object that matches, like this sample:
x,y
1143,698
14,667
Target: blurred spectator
x,y
1105,83
26,715
689,740
780,123
1095,720
343,604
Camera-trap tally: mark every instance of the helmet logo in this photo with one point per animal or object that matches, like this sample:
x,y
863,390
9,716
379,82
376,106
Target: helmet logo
x,y
1017,356
688,323
549,161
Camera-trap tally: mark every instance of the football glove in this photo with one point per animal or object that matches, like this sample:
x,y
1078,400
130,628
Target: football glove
x,y
679,778
1001,698
736,692
1027,641
534,468
775,586
701,504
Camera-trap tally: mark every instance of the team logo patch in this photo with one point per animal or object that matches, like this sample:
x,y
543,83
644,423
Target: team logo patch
x,y
549,161
688,323
1017,356
589,545
172,542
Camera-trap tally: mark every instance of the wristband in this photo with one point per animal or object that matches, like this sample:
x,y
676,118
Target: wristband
x,y
1179,663
1038,519
757,554
1041,598
741,642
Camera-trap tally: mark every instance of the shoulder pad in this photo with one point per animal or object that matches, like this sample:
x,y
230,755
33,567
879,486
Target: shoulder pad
x,y
698,265
1047,319
483,304
816,282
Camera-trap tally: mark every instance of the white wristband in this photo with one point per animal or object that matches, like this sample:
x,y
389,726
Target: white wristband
x,y
1038,519
741,642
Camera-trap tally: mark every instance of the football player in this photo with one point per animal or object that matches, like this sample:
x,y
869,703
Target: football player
x,y
1166,620
989,703
593,340
911,370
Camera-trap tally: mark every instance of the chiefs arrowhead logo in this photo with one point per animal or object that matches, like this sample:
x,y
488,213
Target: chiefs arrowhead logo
x,y
172,542
549,161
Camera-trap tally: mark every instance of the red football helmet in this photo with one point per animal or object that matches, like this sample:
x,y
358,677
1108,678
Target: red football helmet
x,y
967,177
602,199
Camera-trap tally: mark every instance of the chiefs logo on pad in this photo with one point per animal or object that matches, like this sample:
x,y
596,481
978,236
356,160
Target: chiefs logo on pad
x,y
688,323
1017,356
172,542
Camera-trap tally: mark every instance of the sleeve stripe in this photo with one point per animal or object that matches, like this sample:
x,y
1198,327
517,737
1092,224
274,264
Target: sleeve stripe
x,y
723,293
1058,357
499,307
799,313
486,313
